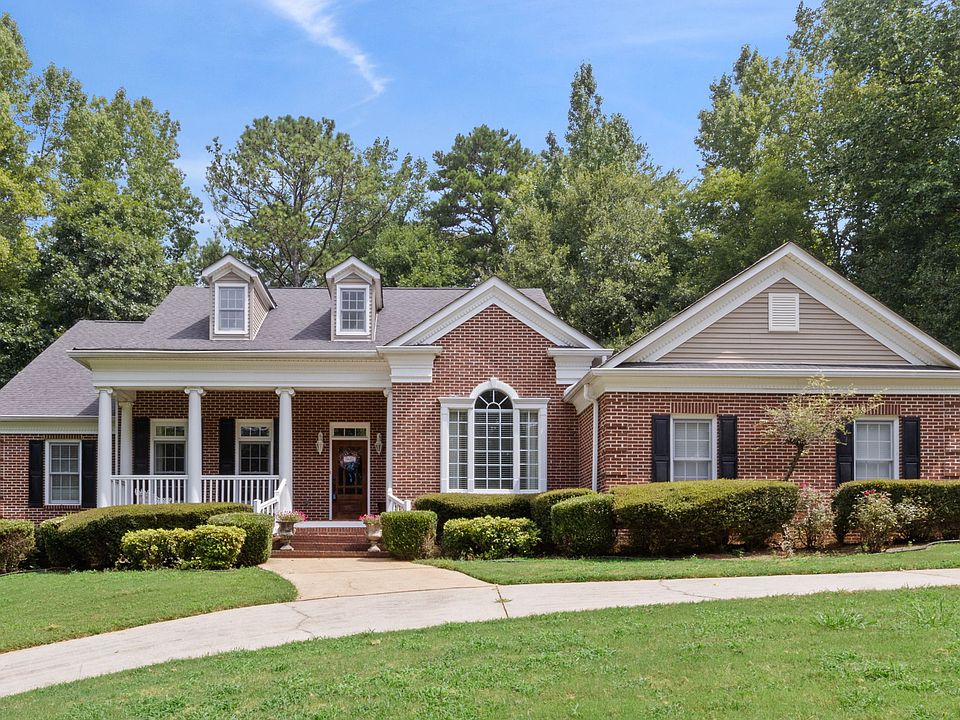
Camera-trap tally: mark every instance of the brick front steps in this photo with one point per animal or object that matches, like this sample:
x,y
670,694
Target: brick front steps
x,y
325,542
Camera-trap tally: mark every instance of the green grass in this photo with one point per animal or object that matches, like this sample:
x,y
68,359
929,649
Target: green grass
x,y
40,608
859,656
545,570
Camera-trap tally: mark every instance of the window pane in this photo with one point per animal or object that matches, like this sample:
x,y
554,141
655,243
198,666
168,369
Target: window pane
x,y
353,309
529,450
255,431
169,457
873,450
232,308
255,458
692,450
493,442
170,431
64,472
457,451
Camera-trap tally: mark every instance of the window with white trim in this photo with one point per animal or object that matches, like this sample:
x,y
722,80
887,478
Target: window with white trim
x,y
352,311
63,473
493,441
231,308
255,447
874,449
169,447
692,449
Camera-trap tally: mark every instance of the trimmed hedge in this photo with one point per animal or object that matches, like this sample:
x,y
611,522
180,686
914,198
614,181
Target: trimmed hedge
x,y
941,497
583,526
693,516
91,539
205,547
259,535
541,504
50,545
489,538
409,535
16,543
451,506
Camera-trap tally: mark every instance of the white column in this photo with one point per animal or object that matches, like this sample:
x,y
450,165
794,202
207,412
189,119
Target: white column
x,y
126,437
194,446
389,393
285,454
104,447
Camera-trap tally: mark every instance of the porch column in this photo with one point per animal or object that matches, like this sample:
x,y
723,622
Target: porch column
x,y
194,492
389,394
285,454
104,447
126,437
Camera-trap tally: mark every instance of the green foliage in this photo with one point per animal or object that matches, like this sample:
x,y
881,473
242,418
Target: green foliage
x,y
16,543
214,547
489,538
540,508
879,522
50,544
205,547
680,517
941,497
408,535
258,542
811,527
91,538
449,506
583,526
415,255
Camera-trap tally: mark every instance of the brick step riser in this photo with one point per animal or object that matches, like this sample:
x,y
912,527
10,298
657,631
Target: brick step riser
x,y
324,554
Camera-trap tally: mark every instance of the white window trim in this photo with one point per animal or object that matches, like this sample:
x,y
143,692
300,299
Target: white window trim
x,y
236,445
713,442
896,442
467,403
216,308
46,472
154,438
771,298
366,310
331,439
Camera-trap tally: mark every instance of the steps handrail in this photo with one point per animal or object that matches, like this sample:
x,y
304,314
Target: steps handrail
x,y
270,507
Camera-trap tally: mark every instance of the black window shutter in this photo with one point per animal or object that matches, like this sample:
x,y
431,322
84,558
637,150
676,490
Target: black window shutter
x,y
911,448
228,435
728,446
276,446
88,473
661,448
845,455
141,446
35,473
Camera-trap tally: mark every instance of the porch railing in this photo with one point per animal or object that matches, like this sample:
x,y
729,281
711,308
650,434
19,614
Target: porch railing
x,y
394,503
147,489
272,505
239,488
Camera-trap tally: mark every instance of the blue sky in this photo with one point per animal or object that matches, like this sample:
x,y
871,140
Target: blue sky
x,y
416,71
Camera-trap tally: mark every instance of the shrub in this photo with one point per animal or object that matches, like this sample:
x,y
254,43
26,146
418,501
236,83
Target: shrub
x,y
811,528
489,538
541,504
450,506
154,548
51,550
91,539
879,521
584,525
16,542
693,516
214,547
941,497
259,535
409,535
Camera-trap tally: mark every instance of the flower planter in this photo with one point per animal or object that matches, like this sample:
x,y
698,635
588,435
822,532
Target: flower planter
x,y
374,534
285,531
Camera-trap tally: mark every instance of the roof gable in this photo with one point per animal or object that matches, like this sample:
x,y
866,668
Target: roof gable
x,y
898,340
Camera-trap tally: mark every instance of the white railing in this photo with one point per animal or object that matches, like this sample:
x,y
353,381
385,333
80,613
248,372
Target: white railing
x,y
272,505
394,503
147,489
239,488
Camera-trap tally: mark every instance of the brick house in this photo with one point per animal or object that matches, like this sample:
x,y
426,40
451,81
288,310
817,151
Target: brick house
x,y
354,397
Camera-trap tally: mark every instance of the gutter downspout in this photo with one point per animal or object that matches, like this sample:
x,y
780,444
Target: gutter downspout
x,y
595,451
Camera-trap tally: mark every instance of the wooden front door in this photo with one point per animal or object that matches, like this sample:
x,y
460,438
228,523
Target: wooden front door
x,y
349,478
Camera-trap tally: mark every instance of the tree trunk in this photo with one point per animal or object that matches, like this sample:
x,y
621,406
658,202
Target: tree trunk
x,y
794,461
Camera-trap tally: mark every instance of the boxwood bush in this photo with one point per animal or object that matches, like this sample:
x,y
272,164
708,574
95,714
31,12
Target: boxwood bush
x,y
91,539
16,543
583,526
449,506
205,547
941,497
409,535
693,516
49,544
540,509
489,538
258,543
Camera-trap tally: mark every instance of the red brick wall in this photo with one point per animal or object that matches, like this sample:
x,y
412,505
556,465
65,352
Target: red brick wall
x,y
491,344
626,451
585,446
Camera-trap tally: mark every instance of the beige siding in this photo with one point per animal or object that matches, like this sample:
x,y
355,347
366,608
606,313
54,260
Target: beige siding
x,y
824,337
258,313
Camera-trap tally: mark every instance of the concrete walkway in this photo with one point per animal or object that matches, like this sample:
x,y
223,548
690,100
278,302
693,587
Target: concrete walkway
x,y
269,625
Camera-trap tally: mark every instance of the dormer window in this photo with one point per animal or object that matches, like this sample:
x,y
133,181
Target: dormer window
x,y
231,310
353,312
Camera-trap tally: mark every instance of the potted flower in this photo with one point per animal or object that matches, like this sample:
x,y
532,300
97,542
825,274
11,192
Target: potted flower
x,y
286,526
373,531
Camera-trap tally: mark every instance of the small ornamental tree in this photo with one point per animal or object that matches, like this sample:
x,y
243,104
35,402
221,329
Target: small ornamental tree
x,y
816,414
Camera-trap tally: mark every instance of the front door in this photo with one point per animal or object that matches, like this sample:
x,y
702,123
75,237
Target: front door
x,y
349,479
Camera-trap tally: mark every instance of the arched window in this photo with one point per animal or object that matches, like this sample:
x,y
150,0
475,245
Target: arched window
x,y
493,441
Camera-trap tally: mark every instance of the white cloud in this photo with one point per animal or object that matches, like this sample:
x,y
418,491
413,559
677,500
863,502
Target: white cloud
x,y
315,17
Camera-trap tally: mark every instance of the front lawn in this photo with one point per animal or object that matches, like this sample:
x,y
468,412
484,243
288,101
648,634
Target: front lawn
x,y
544,570
40,608
857,656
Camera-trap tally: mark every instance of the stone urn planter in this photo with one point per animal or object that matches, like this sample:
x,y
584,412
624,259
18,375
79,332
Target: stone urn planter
x,y
373,531
287,526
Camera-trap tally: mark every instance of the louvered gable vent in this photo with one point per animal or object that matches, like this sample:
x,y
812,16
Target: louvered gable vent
x,y
784,312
